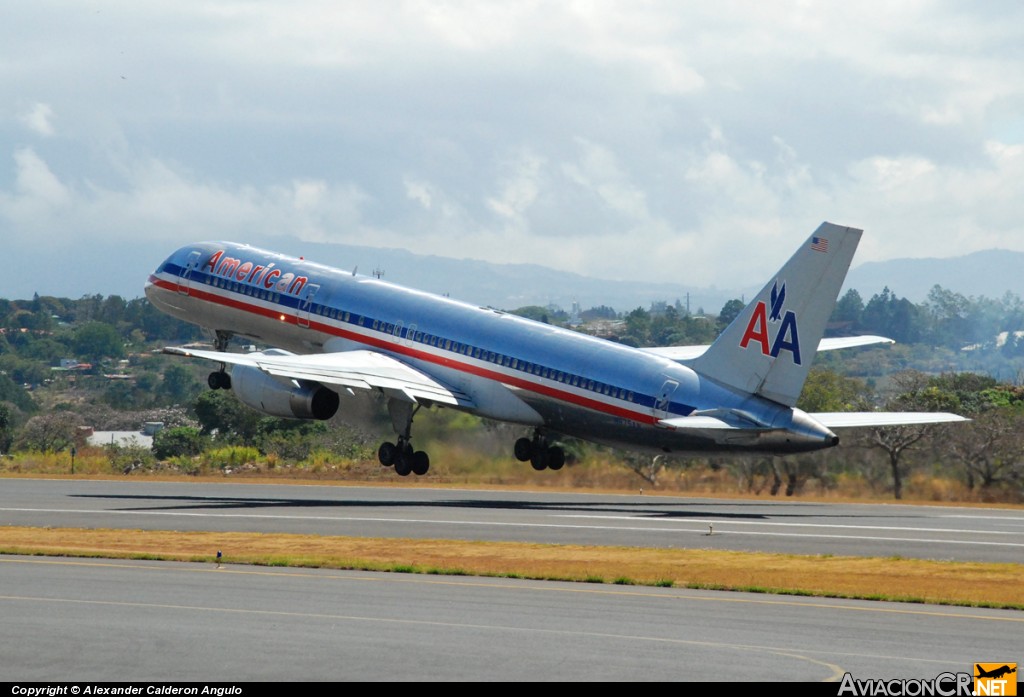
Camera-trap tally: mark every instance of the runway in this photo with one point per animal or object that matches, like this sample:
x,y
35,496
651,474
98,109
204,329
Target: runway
x,y
785,526
78,620
95,620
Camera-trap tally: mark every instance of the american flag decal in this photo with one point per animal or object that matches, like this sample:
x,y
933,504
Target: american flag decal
x,y
819,244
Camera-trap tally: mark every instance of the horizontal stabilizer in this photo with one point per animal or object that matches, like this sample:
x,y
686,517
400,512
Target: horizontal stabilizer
x,y
688,353
864,419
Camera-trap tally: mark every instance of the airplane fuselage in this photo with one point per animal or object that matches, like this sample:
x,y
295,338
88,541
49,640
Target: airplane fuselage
x,y
512,368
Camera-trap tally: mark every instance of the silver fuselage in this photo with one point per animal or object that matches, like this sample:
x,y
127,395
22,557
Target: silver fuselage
x,y
571,383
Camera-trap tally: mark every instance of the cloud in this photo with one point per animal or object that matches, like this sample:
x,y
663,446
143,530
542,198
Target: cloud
x,y
38,118
38,194
660,140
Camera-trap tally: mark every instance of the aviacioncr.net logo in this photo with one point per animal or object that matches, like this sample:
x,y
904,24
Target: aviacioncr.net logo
x,y
942,685
995,679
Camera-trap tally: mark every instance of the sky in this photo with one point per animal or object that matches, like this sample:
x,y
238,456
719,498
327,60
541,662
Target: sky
x,y
697,143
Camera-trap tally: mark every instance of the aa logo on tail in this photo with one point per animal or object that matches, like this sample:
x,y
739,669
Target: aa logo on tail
x,y
759,328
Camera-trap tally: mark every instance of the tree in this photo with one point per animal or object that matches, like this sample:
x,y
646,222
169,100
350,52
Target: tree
x,y
895,441
179,385
6,427
219,411
915,394
894,317
12,392
51,432
534,312
181,441
949,315
648,467
638,328
849,308
730,311
826,390
95,341
990,448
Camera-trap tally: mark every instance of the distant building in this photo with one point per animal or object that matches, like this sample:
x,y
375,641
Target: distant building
x,y
120,438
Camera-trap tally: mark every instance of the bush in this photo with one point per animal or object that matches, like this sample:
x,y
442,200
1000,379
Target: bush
x,y
232,456
181,441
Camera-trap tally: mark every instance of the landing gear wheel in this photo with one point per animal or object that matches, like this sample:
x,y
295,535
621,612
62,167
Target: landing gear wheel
x,y
523,449
386,453
420,463
403,466
539,460
219,380
556,457
400,454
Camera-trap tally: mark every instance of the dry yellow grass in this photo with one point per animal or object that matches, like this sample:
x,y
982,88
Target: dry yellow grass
x,y
996,585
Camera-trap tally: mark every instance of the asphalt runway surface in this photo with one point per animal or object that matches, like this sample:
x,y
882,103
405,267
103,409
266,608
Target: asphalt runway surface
x,y
97,620
785,526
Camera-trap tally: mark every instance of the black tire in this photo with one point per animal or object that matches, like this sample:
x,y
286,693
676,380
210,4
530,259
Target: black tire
x,y
219,380
386,453
403,466
420,463
556,458
523,449
539,460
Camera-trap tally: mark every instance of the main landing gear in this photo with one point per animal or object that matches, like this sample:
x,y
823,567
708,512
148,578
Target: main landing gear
x,y
539,452
219,379
401,455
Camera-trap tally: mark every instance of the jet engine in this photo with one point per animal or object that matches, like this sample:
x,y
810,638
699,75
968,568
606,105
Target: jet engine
x,y
290,399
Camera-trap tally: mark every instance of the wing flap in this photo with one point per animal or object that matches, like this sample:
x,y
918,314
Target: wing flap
x,y
358,369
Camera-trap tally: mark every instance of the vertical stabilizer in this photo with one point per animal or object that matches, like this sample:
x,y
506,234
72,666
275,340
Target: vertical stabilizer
x,y
769,347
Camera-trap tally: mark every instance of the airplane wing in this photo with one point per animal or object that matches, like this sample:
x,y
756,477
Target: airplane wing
x,y
687,353
862,419
359,369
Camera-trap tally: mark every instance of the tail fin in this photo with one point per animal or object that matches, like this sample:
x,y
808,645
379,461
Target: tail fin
x,y
768,349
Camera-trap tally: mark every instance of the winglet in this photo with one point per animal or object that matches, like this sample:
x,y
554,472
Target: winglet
x,y
768,349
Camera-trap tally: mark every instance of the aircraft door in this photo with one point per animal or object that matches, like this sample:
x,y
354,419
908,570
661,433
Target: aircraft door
x,y
185,277
306,304
664,399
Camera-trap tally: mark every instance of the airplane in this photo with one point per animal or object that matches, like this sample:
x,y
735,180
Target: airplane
x,y
336,330
994,673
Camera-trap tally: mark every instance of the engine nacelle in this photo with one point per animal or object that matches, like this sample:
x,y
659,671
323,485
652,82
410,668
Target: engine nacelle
x,y
281,397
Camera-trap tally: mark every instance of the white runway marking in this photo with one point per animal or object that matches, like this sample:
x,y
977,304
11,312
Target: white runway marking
x,y
729,521
722,527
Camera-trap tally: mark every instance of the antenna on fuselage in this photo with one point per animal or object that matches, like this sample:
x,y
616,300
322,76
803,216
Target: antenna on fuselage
x,y
355,269
378,272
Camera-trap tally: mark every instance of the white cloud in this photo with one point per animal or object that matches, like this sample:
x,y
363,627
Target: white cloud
x,y
39,119
690,142
419,191
520,186
35,180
